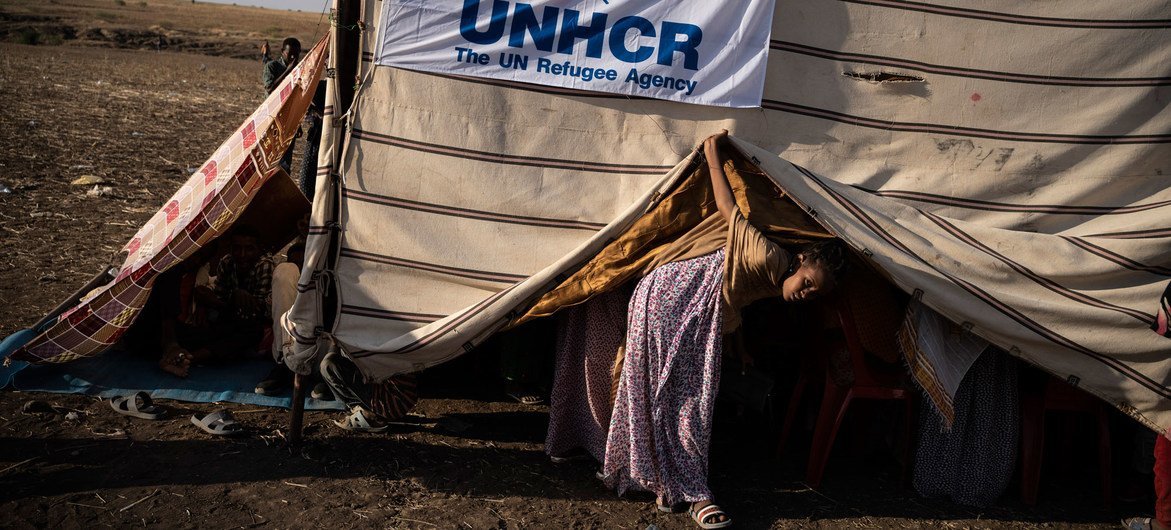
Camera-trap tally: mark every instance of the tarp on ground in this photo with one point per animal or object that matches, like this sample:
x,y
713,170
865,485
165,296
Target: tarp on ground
x,y
1003,159
203,208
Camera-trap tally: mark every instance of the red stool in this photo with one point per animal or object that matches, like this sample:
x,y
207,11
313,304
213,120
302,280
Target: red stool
x,y
1058,396
868,384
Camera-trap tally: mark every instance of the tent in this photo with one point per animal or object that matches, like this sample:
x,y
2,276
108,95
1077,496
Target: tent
x,y
1001,162
241,182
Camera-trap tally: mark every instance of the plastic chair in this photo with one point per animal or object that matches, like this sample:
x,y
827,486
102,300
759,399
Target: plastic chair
x,y
812,368
1059,396
867,384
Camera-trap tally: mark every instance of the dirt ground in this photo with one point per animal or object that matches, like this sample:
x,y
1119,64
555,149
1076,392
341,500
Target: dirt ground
x,y
142,121
169,25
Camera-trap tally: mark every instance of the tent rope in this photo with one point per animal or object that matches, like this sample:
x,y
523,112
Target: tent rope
x,y
317,29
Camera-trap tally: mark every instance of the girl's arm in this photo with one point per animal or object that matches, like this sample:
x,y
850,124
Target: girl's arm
x,y
723,192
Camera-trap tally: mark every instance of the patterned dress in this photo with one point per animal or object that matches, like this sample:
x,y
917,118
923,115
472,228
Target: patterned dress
x,y
972,463
660,429
588,338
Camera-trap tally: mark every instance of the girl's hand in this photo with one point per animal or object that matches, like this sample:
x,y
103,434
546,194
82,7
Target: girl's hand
x,y
709,144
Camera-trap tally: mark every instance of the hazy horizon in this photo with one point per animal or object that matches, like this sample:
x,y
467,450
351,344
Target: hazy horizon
x,y
312,6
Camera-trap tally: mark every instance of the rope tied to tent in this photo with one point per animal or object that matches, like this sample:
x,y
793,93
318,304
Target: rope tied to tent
x,y
359,26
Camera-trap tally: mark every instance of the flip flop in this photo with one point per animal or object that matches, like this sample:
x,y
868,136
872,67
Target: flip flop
x,y
526,399
138,405
218,423
577,456
357,422
1137,523
706,517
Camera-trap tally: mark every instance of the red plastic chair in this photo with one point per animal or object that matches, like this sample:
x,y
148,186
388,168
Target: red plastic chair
x,y
1058,396
868,384
812,366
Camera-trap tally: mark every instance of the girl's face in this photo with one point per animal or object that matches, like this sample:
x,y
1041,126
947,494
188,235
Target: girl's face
x,y
809,281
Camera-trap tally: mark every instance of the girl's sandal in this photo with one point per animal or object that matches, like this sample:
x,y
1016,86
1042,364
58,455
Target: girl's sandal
x,y
708,517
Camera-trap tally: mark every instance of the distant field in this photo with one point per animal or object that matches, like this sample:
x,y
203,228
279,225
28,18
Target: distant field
x,y
207,29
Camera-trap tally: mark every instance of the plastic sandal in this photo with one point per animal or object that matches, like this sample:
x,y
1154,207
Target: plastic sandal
x,y
218,423
1137,523
710,513
357,422
526,399
575,456
138,405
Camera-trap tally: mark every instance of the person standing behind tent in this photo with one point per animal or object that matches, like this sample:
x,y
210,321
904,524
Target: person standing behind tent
x,y
274,72
660,428
307,176
1162,468
589,337
1162,471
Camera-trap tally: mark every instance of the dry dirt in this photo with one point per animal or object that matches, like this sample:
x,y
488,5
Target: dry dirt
x,y
183,26
142,120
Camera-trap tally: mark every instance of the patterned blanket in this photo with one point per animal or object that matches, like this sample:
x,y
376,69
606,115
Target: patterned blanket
x,y
202,209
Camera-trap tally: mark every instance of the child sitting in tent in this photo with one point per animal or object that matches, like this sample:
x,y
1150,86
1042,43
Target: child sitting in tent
x,y
661,423
237,309
172,316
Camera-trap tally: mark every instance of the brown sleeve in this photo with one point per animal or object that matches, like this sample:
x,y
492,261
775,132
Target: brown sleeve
x,y
754,268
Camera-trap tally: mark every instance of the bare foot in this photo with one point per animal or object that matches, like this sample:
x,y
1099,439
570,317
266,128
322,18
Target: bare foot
x,y
176,361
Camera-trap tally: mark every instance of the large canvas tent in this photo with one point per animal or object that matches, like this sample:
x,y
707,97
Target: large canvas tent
x,y
1009,171
1001,161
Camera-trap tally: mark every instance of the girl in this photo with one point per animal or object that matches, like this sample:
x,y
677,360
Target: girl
x,y
661,423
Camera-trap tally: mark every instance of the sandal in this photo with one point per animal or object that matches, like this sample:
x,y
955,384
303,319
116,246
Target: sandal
x,y
574,456
1137,523
138,405
526,398
357,422
218,423
707,517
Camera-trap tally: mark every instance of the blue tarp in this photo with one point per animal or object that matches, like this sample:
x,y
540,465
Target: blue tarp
x,y
119,373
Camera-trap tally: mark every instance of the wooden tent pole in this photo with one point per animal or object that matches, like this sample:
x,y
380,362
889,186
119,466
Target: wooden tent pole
x,y
297,412
347,45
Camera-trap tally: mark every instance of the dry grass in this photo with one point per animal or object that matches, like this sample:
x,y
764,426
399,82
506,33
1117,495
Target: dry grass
x,y
200,17
208,29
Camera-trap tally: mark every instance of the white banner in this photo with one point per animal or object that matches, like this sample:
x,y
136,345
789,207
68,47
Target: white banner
x,y
704,52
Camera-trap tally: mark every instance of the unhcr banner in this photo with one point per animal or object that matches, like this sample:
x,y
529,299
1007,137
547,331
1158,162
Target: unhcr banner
x,y
708,53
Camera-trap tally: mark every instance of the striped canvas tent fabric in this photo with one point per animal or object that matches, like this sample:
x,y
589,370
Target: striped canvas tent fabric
x,y
1003,159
